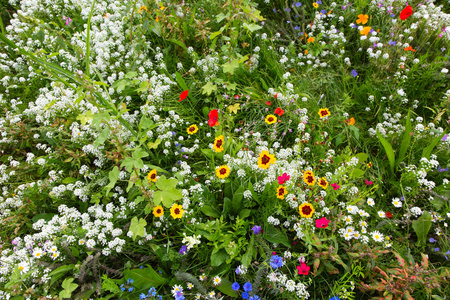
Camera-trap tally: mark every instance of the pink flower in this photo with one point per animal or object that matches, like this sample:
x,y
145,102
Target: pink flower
x,y
322,223
303,269
368,182
335,186
283,178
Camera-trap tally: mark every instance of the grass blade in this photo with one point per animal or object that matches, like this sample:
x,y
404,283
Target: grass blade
x,y
389,151
406,140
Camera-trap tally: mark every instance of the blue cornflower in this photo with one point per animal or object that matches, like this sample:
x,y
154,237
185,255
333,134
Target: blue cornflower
x,y
323,11
298,4
393,16
436,249
247,286
142,296
256,229
235,286
392,43
130,289
297,28
354,73
335,298
254,298
244,295
319,2
276,262
122,288
432,240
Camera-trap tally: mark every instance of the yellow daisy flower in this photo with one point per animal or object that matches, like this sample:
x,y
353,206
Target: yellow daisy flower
x,y
270,119
308,178
158,211
176,211
323,183
281,192
223,171
151,176
306,210
265,159
218,144
324,112
192,129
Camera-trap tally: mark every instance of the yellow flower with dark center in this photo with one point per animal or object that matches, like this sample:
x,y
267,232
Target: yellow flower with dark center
x,y
270,119
370,165
366,30
265,159
218,144
192,129
158,211
362,19
324,112
308,178
306,210
323,183
281,192
310,39
315,5
151,176
223,171
176,211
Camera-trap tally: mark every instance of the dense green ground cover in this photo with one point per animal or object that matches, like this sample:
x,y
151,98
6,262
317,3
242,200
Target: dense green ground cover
x,y
224,149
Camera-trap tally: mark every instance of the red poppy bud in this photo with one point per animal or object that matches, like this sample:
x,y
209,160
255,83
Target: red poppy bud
x,y
406,12
269,103
183,95
388,215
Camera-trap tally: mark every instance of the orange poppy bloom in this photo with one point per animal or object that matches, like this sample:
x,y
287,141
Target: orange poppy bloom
x,y
366,30
362,19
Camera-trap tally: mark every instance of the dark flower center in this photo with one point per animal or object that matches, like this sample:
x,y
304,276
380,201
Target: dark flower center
x,y
158,211
281,192
153,176
177,211
222,171
310,178
219,143
306,210
191,128
270,119
265,159
323,112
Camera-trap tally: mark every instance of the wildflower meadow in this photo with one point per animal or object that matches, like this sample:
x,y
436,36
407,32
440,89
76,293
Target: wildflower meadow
x,y
225,149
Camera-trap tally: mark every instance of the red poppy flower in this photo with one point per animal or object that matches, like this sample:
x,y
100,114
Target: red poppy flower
x,y
183,95
269,103
406,12
388,215
213,117
279,111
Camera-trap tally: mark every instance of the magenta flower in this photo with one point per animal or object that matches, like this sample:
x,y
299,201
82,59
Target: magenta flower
x,y
322,223
283,178
335,186
368,182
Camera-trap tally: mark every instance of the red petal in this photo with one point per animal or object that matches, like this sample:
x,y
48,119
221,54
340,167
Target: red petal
x,y
183,95
269,103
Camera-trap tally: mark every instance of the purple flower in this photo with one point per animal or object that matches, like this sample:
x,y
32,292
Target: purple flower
x,y
354,73
392,43
245,295
436,249
247,287
432,240
183,250
298,4
235,286
444,138
276,262
319,2
256,229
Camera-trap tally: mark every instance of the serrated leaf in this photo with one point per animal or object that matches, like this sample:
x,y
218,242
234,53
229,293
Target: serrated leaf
x,y
137,227
155,144
208,88
231,66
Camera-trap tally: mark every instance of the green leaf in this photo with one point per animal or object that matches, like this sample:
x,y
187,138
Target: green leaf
x,y
108,284
84,118
355,131
145,278
113,176
214,35
339,139
247,257
209,211
226,205
362,157
59,272
68,287
168,197
389,151
158,197
208,88
219,258
137,227
225,287
46,216
155,144
244,213
275,236
237,199
422,226
131,74
357,173
231,66
101,137
427,151
166,184
252,27
181,82
178,43
406,140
